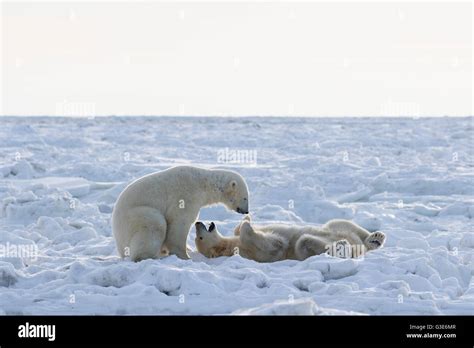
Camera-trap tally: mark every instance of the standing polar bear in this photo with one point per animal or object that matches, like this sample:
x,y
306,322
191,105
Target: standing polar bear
x,y
275,242
155,212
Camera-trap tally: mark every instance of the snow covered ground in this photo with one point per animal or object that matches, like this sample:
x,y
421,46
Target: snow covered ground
x,y
410,178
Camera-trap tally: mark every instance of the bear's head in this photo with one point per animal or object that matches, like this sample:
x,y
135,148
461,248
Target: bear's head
x,y
207,239
236,194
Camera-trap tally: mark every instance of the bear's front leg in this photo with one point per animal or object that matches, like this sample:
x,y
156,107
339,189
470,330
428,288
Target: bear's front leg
x,y
176,237
237,228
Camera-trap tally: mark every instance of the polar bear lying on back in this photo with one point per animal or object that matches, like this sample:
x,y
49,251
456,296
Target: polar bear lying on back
x,y
277,242
155,212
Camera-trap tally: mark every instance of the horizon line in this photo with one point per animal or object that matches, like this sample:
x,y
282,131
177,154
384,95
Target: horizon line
x,y
241,116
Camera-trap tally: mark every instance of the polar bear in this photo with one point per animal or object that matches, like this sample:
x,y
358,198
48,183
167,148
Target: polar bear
x,y
275,242
154,213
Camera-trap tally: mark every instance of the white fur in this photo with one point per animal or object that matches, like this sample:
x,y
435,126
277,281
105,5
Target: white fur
x,y
155,212
276,242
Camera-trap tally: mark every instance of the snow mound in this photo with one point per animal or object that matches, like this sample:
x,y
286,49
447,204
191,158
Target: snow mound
x,y
304,306
411,179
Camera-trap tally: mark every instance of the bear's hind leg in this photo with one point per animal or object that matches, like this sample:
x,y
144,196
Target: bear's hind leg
x,y
374,240
149,231
308,245
346,228
146,244
341,248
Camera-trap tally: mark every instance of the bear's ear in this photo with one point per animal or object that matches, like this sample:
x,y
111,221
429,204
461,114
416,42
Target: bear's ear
x,y
212,226
232,185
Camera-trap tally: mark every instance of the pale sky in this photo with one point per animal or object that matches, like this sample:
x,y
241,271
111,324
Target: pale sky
x,y
237,58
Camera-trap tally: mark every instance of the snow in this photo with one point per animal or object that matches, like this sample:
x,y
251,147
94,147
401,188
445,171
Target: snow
x,y
410,178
